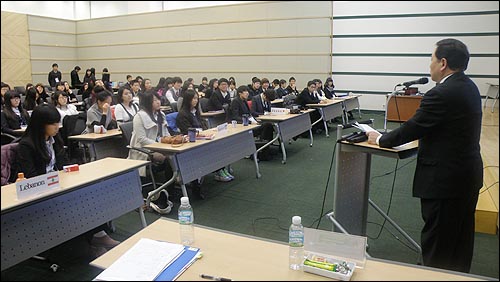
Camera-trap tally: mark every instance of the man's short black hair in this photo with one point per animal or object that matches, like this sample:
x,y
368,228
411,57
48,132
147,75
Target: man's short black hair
x,y
55,65
242,89
455,52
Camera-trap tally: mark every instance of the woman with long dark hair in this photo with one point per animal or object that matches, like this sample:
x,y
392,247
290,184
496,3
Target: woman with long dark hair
x,y
13,116
32,100
41,151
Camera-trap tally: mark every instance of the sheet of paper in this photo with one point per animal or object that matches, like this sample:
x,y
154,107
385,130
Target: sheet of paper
x,y
363,127
403,146
143,262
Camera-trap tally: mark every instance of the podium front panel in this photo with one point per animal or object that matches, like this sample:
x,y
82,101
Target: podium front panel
x,y
351,200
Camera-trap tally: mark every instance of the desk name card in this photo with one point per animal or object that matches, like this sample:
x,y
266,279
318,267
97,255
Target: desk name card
x,y
279,111
37,185
222,128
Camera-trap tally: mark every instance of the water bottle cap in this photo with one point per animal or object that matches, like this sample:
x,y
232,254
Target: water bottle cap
x,y
296,219
184,201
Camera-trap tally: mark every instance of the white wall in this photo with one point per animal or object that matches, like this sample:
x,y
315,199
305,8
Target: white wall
x,y
377,45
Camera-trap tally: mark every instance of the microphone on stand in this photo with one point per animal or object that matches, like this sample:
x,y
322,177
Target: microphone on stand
x,y
422,80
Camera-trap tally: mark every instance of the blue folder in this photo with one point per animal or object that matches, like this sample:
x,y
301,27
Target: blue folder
x,y
178,266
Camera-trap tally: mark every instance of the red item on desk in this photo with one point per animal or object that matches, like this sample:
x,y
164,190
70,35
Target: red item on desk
x,y
70,168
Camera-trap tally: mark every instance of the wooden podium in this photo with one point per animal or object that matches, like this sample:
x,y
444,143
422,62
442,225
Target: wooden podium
x,y
401,108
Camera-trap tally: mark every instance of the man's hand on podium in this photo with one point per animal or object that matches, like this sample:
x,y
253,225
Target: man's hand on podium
x,y
373,137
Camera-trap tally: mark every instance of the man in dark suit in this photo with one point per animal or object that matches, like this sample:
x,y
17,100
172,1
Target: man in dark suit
x,y
262,102
449,170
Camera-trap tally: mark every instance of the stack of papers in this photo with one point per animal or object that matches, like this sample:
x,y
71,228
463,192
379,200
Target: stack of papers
x,y
363,127
150,260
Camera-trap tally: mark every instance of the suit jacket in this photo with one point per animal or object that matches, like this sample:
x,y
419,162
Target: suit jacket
x,y
185,119
238,108
258,107
30,162
306,98
217,101
448,127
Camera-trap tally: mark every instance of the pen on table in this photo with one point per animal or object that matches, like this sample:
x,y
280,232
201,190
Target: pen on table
x,y
215,278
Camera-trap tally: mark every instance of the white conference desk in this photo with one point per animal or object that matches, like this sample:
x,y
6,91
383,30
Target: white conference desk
x,y
245,258
99,192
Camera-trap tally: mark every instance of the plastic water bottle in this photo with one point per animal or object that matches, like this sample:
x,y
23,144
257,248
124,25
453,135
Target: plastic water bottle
x,y
296,243
186,219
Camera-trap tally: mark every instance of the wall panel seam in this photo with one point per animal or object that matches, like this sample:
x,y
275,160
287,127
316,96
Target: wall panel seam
x,y
204,40
417,15
208,23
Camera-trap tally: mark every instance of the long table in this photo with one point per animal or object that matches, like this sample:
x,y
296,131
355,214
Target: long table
x,y
288,126
245,258
193,160
107,143
99,192
328,111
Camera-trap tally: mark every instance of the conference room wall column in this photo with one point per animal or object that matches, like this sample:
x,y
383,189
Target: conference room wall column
x,y
265,39
377,45
16,67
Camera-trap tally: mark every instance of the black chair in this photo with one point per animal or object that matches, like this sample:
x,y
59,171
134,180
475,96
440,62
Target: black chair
x,y
20,89
204,104
74,125
7,138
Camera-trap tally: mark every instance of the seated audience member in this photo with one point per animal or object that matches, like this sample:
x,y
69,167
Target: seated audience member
x,y
292,88
307,96
86,91
41,151
320,93
189,117
204,84
232,89
254,89
146,85
160,87
212,86
261,104
281,91
4,88
135,88
149,126
276,84
71,97
62,105
174,92
264,85
13,116
126,108
41,92
239,106
220,99
100,113
329,88
32,100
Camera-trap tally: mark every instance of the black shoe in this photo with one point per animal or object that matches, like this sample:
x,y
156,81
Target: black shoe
x,y
196,190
